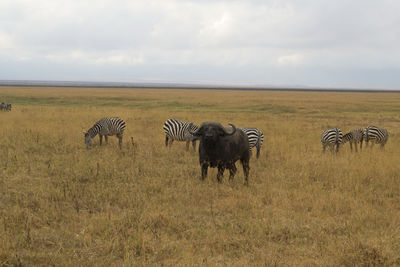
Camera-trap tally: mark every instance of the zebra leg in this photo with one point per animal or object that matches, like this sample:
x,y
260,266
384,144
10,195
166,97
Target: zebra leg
x,y
258,151
220,174
194,145
323,148
101,139
187,145
351,146
120,140
204,168
232,171
166,140
106,138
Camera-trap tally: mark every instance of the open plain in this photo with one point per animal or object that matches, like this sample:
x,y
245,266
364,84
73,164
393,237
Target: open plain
x,y
64,205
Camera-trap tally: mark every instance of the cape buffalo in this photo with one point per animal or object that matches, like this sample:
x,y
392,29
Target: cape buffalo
x,y
221,147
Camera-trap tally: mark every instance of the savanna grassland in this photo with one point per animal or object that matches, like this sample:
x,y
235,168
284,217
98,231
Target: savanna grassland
x,y
64,205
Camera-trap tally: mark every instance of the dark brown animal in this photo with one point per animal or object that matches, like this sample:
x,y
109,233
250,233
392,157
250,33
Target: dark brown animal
x,y
221,147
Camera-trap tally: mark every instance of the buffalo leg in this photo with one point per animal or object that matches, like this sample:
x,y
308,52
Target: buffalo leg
x,y
204,168
232,171
246,169
220,174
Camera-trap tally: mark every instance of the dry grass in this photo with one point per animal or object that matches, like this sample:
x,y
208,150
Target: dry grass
x,y
63,205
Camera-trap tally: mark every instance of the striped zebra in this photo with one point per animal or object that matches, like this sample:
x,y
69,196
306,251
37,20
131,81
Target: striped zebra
x,y
256,138
3,106
331,138
179,131
106,127
353,137
376,135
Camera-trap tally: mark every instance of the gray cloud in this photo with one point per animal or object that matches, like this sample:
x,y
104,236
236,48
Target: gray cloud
x,y
287,42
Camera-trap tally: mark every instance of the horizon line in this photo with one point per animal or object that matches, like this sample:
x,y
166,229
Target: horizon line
x,y
188,85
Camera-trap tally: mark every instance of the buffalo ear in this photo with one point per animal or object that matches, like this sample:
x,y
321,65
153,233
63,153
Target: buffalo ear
x,y
199,132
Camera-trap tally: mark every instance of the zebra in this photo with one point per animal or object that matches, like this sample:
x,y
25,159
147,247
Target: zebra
x,y
331,138
3,106
106,127
256,138
8,107
179,130
376,134
355,136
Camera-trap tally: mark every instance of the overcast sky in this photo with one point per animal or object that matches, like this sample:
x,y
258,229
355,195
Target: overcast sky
x,y
325,43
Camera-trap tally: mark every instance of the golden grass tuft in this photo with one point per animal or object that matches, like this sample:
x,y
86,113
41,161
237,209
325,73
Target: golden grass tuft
x,y
61,204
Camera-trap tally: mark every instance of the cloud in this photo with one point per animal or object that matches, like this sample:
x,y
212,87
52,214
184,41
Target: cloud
x,y
290,60
176,40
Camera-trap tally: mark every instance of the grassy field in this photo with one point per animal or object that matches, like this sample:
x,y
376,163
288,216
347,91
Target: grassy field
x,y
64,205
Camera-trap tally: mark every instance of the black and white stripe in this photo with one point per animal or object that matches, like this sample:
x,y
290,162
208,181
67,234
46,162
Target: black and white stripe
x,y
5,106
106,127
376,135
176,130
353,137
332,137
256,138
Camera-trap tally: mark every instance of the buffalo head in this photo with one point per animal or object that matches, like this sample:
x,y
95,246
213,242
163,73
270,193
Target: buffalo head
x,y
211,131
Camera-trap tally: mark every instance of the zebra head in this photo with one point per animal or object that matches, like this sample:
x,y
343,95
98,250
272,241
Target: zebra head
x,y
88,140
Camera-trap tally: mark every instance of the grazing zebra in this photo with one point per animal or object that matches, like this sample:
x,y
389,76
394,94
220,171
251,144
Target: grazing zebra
x,y
106,127
331,138
354,137
256,138
376,135
3,106
179,130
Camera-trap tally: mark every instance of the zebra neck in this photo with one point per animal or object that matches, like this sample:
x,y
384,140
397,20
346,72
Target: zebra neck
x,y
94,131
347,138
